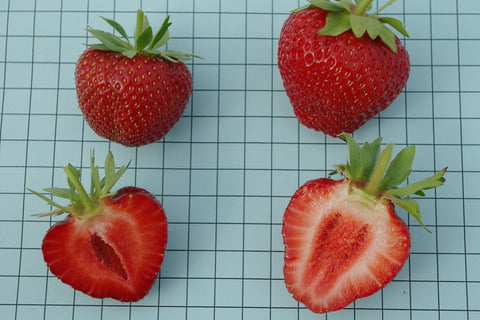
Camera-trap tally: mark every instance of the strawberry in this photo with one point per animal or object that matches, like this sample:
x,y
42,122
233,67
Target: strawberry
x,y
340,67
132,94
343,239
111,244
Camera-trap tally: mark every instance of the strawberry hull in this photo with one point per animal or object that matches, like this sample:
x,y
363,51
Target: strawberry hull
x,y
338,248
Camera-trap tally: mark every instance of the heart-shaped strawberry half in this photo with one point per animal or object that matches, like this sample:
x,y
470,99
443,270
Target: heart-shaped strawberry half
x,y
343,239
111,245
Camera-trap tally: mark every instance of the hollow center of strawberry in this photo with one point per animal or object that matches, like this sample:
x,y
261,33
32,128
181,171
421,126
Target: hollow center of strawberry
x,y
340,240
106,254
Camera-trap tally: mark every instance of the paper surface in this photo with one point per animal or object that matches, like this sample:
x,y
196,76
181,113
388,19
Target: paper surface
x,y
228,168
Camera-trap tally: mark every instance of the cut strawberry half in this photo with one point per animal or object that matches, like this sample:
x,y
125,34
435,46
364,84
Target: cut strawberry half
x,y
111,245
343,239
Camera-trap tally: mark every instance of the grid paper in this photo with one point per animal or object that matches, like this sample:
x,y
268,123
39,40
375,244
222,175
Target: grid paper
x,y
226,171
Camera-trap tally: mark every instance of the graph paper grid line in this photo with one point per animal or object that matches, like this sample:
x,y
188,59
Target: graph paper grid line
x,y
226,171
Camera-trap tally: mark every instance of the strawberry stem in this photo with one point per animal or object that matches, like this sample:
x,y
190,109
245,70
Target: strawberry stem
x,y
145,42
84,198
83,205
363,7
139,26
374,183
372,176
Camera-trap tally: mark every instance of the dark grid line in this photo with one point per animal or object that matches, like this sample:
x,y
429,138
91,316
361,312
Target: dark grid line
x,y
233,195
55,131
166,140
245,74
270,260
252,64
217,161
161,276
206,63
409,265
57,106
418,39
298,304
2,109
462,166
260,278
459,14
279,223
432,79
17,298
250,307
135,169
187,308
74,304
414,253
259,90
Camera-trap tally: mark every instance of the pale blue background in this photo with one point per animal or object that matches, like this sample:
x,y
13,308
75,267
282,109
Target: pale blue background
x,y
226,171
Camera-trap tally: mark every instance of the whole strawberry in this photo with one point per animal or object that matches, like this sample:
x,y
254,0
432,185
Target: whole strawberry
x,y
341,67
111,244
343,239
132,94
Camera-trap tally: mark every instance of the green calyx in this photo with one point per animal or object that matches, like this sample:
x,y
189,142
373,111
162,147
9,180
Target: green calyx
x,y
344,15
370,170
145,42
84,205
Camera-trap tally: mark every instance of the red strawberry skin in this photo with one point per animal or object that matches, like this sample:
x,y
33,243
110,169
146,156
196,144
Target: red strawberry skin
x,y
116,254
338,249
132,101
337,83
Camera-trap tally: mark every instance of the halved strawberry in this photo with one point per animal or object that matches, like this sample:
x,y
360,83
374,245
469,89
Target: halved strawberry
x,y
343,239
111,245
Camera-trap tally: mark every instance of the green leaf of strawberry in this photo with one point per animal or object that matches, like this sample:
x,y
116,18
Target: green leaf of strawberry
x,y
145,43
111,244
336,23
379,177
118,27
346,16
395,23
324,4
399,169
343,239
162,36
